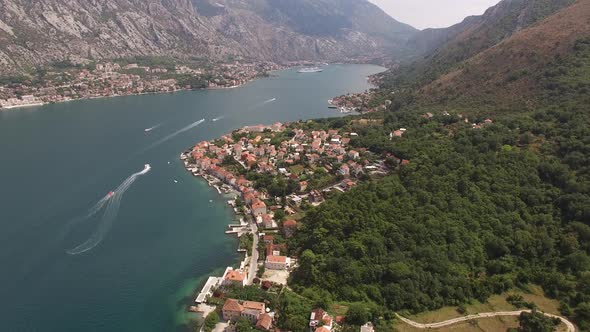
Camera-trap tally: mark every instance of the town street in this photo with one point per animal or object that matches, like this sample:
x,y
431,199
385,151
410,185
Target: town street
x,y
254,259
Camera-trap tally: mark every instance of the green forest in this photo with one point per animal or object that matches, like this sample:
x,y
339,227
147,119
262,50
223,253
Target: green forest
x,y
478,211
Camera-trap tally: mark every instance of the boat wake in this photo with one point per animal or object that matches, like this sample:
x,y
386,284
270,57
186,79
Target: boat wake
x,y
113,203
147,130
174,134
260,104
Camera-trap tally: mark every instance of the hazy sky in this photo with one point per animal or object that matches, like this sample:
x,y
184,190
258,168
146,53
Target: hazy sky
x,y
423,14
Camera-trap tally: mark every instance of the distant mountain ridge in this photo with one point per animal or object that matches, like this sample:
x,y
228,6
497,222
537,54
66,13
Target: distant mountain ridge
x,y
496,58
515,71
36,33
438,50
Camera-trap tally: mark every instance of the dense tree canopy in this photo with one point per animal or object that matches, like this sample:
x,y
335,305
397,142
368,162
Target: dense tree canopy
x,y
476,212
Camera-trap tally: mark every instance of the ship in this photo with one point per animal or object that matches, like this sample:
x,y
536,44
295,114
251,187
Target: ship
x,y
310,70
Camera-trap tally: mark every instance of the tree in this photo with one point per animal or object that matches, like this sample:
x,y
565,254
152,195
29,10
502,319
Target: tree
x,y
357,314
210,321
244,325
279,215
536,322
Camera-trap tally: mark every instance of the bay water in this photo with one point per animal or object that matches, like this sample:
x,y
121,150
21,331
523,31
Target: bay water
x,y
166,232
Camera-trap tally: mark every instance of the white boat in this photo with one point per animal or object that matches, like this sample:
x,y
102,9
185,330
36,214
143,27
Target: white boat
x,y
175,181
310,70
147,130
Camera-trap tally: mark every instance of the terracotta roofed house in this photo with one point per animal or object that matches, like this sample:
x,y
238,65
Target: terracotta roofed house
x,y
264,322
232,310
302,186
234,277
277,262
320,317
252,310
258,207
289,228
268,238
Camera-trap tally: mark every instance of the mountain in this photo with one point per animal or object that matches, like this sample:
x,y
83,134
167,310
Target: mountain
x,y
517,69
438,50
39,32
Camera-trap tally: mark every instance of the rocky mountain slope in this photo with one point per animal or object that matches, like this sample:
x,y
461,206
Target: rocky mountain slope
x,y
39,32
518,69
439,50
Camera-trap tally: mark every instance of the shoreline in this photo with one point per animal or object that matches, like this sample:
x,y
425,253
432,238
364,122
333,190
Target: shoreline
x,y
43,103
198,305
38,104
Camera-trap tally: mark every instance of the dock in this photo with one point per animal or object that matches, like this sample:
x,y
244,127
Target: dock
x,y
207,289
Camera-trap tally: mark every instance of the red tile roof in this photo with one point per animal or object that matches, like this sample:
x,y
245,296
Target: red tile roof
x,y
264,322
232,305
258,204
289,223
235,275
276,259
253,305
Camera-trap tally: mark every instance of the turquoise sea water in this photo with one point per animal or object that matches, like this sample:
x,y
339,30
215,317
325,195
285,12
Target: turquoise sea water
x,y
57,161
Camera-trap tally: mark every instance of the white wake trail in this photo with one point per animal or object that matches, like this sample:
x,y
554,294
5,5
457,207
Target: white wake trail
x,y
152,128
260,104
176,133
109,216
90,213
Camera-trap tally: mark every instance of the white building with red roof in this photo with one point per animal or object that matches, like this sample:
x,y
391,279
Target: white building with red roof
x,y
277,262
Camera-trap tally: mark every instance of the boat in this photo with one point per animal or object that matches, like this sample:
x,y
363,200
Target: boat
x,y
310,70
111,193
175,181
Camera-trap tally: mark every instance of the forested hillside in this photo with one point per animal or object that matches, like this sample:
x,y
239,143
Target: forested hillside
x,y
482,207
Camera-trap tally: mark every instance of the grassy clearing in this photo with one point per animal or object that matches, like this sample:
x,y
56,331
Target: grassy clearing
x,y
495,303
339,309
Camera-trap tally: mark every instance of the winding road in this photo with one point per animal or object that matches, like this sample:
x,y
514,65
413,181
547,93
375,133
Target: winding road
x,y
570,326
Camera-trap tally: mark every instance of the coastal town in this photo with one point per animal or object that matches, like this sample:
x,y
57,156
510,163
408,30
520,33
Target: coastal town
x,y
67,81
273,174
372,100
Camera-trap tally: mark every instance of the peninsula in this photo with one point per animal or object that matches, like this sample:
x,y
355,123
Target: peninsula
x,y
275,173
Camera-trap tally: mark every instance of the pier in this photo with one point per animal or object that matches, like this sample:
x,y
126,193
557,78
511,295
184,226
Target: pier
x,y
207,289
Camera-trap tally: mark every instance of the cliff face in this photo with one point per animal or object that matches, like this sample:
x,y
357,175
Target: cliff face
x,y
35,32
